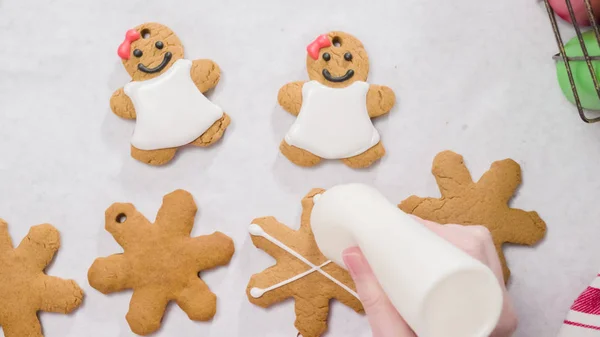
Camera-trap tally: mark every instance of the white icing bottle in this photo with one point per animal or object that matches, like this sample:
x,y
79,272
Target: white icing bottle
x,y
438,289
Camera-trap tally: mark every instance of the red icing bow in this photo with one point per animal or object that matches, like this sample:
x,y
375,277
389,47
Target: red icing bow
x,y
125,47
313,49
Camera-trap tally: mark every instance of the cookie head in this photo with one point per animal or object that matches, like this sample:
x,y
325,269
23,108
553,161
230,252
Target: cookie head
x,y
149,50
337,59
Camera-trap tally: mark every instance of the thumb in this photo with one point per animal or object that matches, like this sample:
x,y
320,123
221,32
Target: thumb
x,y
384,319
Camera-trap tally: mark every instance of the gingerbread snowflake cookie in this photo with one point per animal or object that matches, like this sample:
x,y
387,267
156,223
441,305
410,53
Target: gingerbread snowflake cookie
x,y
484,202
335,107
160,262
165,95
301,272
25,289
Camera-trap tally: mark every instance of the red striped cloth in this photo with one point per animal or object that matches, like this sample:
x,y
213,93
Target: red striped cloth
x,y
583,320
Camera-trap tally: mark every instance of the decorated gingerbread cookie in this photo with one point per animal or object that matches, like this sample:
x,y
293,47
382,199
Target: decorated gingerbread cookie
x,y
335,107
160,262
301,272
165,95
485,202
24,287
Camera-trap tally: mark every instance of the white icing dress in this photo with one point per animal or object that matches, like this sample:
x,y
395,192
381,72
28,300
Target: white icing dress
x,y
333,123
170,110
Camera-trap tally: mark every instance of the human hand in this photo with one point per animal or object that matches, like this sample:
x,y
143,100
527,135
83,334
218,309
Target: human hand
x,y
385,320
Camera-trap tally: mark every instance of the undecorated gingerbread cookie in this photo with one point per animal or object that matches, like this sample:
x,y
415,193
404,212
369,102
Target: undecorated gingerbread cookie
x,y
485,202
24,287
160,262
301,272
165,95
335,107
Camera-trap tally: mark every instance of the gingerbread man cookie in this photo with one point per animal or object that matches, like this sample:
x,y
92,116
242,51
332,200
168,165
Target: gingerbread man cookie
x,y
25,289
484,202
160,262
301,272
165,95
335,107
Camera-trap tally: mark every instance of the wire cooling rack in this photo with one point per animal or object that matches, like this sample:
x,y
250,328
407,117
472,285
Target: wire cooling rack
x,y
562,55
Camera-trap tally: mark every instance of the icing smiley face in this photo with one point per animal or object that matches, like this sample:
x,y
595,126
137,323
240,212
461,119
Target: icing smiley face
x,y
149,50
337,59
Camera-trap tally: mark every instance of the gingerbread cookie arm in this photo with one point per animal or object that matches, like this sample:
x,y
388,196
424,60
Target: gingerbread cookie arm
x,y
502,179
528,227
271,227
121,105
58,295
265,285
146,309
345,297
311,315
205,74
197,301
451,174
217,245
39,246
412,203
177,213
380,100
110,274
20,324
307,206
290,97
5,240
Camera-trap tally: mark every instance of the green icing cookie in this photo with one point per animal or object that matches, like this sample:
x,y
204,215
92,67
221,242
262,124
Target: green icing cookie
x,y
581,74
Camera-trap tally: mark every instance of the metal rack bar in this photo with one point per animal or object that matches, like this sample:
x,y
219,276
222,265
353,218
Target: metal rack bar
x,y
586,57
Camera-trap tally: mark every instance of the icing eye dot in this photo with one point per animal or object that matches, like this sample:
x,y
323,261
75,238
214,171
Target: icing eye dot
x,y
159,44
137,53
348,56
326,57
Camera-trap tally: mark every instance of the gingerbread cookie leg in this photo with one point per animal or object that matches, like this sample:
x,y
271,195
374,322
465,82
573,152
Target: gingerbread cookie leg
x,y
115,268
197,301
311,315
366,158
153,157
298,156
146,310
16,325
214,133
